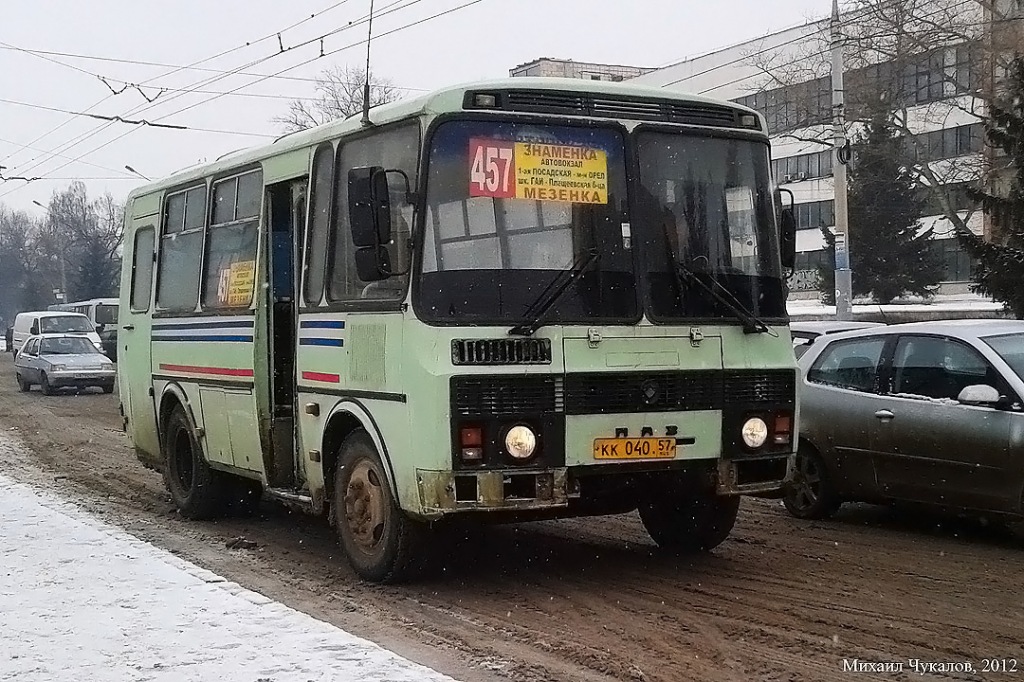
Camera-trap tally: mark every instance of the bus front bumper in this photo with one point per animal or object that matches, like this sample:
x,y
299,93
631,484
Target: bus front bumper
x,y
524,489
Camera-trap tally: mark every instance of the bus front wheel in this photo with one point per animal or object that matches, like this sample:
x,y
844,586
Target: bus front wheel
x,y
382,544
194,486
685,523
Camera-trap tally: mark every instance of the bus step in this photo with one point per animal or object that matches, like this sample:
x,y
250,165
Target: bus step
x,y
292,498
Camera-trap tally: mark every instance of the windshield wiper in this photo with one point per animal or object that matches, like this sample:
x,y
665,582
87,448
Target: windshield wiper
x,y
552,292
751,323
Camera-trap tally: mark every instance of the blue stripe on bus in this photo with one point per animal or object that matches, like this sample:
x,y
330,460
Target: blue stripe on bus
x,y
232,339
211,326
322,324
337,343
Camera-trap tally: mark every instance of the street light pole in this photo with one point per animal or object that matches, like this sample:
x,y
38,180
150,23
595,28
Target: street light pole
x,y
844,276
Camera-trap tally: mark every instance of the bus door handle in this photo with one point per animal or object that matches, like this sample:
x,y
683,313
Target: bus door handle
x,y
128,327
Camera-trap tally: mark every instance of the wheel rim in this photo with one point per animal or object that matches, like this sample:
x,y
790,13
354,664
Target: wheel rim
x,y
366,507
806,486
184,464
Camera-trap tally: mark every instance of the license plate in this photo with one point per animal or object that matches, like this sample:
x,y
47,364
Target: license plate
x,y
634,448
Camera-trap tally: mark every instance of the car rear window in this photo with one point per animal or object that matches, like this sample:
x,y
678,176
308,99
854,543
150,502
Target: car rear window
x,y
849,364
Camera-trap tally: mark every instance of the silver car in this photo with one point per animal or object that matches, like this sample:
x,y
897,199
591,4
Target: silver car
x,y
930,412
56,361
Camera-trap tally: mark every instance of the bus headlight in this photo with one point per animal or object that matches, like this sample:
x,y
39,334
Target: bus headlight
x,y
520,442
755,432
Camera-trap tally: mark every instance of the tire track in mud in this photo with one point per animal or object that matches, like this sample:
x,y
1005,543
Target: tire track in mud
x,y
581,600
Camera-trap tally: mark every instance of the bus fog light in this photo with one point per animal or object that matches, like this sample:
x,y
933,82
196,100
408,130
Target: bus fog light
x,y
520,442
755,432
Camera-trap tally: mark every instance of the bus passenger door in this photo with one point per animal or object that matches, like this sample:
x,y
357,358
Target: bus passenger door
x,y
287,201
134,359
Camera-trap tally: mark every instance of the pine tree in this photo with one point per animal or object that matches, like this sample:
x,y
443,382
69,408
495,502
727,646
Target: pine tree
x,y
890,256
1000,270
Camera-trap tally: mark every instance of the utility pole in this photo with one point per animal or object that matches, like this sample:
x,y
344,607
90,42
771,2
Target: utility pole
x,y
844,277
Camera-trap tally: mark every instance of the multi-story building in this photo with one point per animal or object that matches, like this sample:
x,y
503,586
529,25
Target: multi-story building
x,y
566,68
786,76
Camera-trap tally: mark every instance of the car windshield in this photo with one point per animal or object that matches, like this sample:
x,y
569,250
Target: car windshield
x,y
510,208
63,324
706,205
1010,347
106,314
68,345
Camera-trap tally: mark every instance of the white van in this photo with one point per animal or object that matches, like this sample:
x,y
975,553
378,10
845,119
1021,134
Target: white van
x,y
51,322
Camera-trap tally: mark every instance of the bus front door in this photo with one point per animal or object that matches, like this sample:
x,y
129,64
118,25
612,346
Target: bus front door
x,y
287,202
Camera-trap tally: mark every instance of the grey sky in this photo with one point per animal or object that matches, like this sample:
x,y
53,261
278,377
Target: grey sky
x,y
480,41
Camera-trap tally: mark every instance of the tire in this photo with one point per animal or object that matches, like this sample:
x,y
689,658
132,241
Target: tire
x,y
197,490
23,385
44,384
689,522
810,495
382,544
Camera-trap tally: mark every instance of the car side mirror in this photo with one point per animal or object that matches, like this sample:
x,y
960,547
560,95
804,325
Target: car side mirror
x,y
980,395
35,329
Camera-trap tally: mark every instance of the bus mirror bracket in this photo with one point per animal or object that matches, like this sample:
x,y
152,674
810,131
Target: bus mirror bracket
x,y
787,233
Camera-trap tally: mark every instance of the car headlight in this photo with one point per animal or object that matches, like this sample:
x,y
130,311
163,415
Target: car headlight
x,y
520,442
755,432
58,368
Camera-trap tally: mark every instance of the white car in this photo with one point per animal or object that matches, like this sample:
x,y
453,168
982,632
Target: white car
x,y
62,361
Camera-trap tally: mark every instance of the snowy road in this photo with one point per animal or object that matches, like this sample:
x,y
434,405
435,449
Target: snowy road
x,y
82,600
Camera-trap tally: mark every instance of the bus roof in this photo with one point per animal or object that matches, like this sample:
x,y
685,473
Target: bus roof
x,y
445,100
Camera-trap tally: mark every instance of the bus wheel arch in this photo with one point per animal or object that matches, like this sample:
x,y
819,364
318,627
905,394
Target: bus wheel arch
x,y
344,419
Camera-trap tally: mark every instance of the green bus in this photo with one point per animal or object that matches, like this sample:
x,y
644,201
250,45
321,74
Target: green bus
x,y
518,299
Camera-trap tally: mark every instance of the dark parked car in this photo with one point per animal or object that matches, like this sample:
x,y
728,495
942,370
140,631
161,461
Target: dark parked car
x,y
805,333
930,413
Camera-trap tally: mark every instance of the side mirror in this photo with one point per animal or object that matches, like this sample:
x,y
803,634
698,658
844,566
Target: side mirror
x,y
787,239
980,395
35,329
369,206
373,263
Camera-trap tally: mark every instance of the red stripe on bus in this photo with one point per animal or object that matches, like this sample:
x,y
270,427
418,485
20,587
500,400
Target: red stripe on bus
x,y
222,371
321,376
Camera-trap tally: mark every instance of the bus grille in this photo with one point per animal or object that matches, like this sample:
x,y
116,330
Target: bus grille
x,y
615,106
501,352
621,393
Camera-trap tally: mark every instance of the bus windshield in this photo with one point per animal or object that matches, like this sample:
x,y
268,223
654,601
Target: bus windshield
x,y
707,210
64,324
510,208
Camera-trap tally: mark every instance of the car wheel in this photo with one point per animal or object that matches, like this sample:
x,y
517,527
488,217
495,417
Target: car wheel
x,y
382,544
44,383
197,490
23,385
810,495
682,522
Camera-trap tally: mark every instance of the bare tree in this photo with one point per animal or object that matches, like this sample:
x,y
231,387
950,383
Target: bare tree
x,y
339,94
924,60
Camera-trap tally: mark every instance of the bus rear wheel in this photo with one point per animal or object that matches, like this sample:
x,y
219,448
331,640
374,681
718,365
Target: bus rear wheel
x,y
382,544
194,486
691,522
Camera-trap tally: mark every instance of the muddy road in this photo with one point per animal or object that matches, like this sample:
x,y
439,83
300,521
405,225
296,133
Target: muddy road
x,y
583,600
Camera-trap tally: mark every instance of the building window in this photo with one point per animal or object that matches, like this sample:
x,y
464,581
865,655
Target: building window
x,y
815,215
949,143
803,167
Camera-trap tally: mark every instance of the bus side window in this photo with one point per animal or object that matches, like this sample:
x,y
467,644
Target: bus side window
x,y
394,148
142,269
230,261
181,249
315,258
